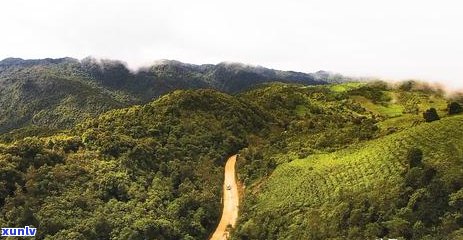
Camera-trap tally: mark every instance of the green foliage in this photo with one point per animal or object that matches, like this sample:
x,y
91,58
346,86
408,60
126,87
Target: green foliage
x,y
28,131
374,91
51,94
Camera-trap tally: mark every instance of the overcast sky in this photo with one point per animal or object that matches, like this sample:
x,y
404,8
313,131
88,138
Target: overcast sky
x,y
393,39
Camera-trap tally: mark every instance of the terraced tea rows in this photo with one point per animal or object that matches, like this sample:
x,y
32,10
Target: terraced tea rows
x,y
371,168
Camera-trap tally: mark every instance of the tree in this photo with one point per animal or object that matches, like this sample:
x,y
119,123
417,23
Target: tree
x,y
431,115
398,227
456,200
454,108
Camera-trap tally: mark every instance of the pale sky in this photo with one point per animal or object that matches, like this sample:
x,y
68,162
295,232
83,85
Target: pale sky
x,y
393,39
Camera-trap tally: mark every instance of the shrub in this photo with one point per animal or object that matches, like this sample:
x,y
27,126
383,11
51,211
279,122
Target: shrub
x,y
414,157
455,108
431,115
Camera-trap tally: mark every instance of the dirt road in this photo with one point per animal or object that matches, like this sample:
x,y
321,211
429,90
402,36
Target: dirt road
x,y
230,201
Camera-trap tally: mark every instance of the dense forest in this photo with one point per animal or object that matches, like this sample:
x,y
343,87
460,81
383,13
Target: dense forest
x,y
331,161
145,172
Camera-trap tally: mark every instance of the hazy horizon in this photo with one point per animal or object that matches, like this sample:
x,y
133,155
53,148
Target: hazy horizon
x,y
392,40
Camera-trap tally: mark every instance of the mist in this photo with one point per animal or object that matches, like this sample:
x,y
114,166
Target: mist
x,y
391,40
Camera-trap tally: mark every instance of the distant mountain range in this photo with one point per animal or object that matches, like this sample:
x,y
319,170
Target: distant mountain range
x,y
57,93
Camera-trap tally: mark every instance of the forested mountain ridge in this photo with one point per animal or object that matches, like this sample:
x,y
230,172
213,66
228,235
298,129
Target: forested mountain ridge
x,y
57,93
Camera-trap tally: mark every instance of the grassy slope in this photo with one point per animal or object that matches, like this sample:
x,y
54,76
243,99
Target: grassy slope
x,y
389,110
371,169
308,192
361,168
343,87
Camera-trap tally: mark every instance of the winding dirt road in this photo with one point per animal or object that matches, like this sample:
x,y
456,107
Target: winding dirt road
x,y
230,201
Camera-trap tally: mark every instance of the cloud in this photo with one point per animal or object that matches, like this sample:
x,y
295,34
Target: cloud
x,y
391,39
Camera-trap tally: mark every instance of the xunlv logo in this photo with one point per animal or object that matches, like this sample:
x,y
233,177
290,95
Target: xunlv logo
x,y
19,232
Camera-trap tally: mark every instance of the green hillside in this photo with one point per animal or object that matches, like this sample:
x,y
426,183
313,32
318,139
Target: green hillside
x,y
52,94
357,192
145,172
340,169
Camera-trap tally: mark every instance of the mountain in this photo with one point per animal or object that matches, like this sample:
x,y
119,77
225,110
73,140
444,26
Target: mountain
x,y
57,93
